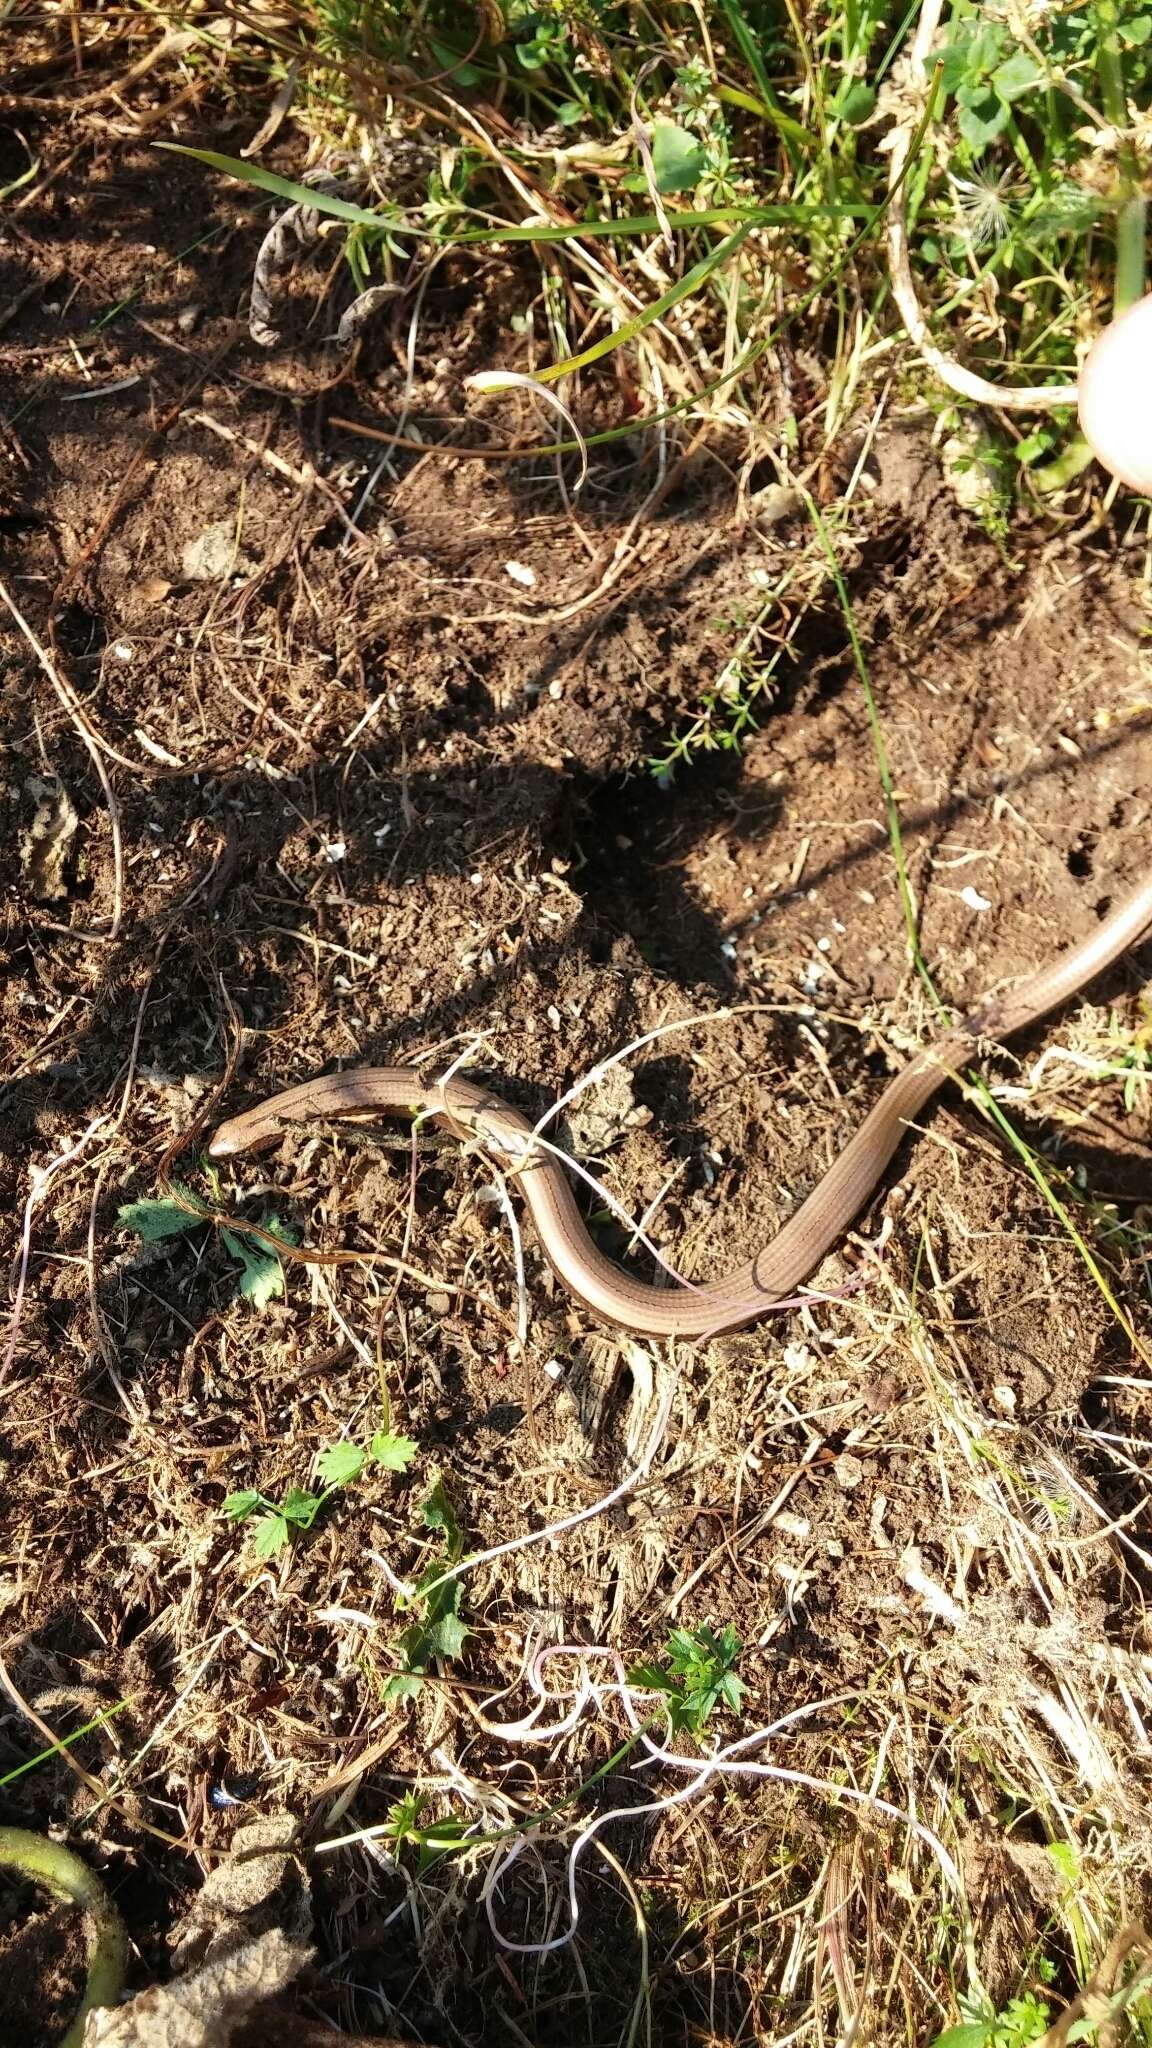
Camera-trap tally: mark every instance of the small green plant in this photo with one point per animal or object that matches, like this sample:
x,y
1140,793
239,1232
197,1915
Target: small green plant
x,y
430,1838
276,1523
262,1273
1022,2020
697,1675
439,1632
729,709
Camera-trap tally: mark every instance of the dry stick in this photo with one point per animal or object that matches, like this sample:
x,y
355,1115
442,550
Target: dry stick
x,y
554,1529
1103,1985
306,479
517,453
78,718
173,44
1035,398
40,1178
60,1747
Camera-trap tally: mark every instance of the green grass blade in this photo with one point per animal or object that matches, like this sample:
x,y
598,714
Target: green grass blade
x,y
690,282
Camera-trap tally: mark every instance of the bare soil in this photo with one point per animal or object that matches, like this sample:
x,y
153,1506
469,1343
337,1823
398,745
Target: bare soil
x,y
382,798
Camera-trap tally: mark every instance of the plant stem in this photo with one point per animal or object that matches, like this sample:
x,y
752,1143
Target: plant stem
x,y
1130,218
883,769
52,1865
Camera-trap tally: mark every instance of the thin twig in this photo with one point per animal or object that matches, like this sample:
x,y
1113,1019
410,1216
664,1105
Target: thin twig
x,y
76,714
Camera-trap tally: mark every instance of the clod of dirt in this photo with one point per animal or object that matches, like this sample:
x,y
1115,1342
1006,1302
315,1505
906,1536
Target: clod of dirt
x,y
600,1116
45,847
213,554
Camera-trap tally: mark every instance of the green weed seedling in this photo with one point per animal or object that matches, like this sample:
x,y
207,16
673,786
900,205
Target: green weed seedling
x,y
1021,2021
697,1675
439,1632
276,1523
262,1273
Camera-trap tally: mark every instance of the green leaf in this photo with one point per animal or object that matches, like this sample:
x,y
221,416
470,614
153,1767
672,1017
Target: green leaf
x,y
973,2035
440,1514
262,1279
395,1453
461,73
153,1221
239,1506
1032,446
404,1685
569,114
684,287
270,1535
440,1633
981,122
341,1463
286,188
404,1817
857,104
678,159
732,1691
1018,74
299,1507
449,1634
651,1678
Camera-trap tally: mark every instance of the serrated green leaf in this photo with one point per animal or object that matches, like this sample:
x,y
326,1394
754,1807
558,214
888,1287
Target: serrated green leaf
x,y
154,1221
341,1463
681,1646
239,1506
395,1453
440,1633
448,1635
678,158
262,1279
299,1507
440,1514
404,1817
650,1678
270,1535
404,1685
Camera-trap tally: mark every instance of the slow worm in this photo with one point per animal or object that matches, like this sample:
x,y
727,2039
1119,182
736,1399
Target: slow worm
x,y
788,1259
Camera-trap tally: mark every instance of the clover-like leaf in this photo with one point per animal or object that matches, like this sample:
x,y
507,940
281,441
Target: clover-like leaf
x,y
262,1279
